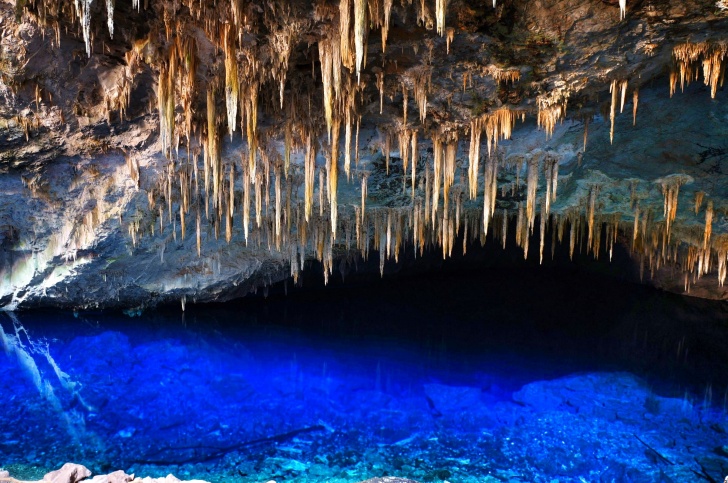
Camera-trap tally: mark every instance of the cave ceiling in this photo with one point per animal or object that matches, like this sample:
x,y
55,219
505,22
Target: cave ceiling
x,y
155,151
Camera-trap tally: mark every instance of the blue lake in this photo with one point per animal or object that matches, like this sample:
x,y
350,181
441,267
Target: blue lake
x,y
458,377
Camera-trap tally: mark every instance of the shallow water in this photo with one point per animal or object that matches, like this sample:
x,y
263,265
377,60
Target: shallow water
x,y
456,377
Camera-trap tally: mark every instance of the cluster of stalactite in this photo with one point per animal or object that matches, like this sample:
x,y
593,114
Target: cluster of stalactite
x,y
250,78
693,58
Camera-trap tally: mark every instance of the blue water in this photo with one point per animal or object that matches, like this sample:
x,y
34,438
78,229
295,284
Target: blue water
x,y
354,383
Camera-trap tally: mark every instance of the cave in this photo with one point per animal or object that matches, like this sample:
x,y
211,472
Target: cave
x,y
363,241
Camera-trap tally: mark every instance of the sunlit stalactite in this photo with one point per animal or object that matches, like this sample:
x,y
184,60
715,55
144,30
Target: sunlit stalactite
x,y
380,86
309,171
551,109
322,189
327,74
83,10
448,172
110,17
622,9
421,81
232,84
476,129
437,148
246,198
278,205
708,226
403,139
333,175
551,173
440,11
670,191
531,188
623,94
360,34
385,24
251,119
364,180
591,213
281,42
490,190
635,101
345,29
688,56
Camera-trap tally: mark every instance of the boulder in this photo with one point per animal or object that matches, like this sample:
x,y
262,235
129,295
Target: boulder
x,y
69,473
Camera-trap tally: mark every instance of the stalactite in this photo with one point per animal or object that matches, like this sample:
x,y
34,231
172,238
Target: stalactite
x,y
405,99
551,108
322,189
699,195
427,194
440,10
363,197
347,144
635,101
198,235
281,42
476,129
356,142
437,145
231,79
387,148
450,36
421,87
288,145
413,152
385,23
251,118
333,176
110,17
403,138
551,173
531,188
83,10
613,110
360,34
246,198
670,190
623,94
591,211
622,9
448,173
708,225
489,191
327,73
309,171
347,54
380,86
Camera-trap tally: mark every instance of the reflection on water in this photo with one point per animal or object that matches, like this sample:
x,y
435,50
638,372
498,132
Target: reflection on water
x,y
460,378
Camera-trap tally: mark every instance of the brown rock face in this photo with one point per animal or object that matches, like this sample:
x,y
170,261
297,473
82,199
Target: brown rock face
x,y
199,150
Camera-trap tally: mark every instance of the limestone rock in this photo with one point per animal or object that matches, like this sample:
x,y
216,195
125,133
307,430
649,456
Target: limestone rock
x,y
69,473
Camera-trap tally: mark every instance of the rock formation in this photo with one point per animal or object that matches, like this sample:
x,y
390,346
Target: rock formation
x,y
192,151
